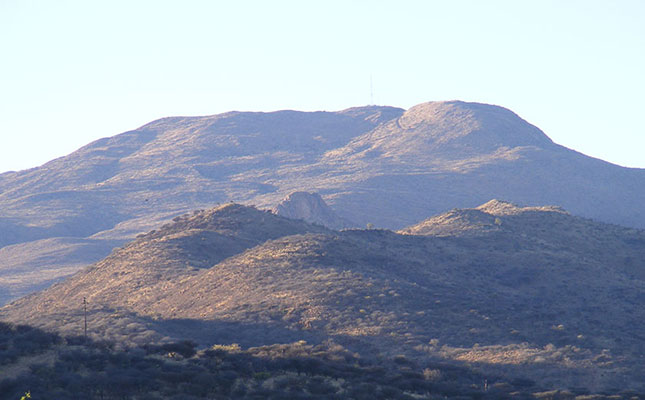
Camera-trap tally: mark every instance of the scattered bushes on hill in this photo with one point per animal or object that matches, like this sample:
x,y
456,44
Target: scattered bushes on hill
x,y
53,367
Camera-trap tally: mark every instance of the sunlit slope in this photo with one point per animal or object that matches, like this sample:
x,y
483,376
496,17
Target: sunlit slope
x,y
379,165
530,289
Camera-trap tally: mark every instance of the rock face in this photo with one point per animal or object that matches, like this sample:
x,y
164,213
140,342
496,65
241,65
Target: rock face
x,y
311,208
514,291
380,165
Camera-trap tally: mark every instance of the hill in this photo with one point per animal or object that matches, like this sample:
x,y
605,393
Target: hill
x,y
380,165
517,292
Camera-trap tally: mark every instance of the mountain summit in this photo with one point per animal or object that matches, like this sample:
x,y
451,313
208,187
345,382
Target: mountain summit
x,y
493,216
380,165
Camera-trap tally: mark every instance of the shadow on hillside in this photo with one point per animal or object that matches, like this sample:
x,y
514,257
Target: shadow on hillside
x,y
551,372
284,354
208,332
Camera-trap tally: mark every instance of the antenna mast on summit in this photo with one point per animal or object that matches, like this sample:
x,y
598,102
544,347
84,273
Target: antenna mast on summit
x,y
371,91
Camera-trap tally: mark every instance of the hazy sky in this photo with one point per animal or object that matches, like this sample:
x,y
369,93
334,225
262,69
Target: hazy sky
x,y
75,71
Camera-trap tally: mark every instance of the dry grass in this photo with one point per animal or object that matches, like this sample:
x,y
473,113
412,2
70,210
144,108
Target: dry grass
x,y
532,295
378,165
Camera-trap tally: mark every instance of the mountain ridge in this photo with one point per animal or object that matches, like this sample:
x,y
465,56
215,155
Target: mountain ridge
x,y
499,298
379,165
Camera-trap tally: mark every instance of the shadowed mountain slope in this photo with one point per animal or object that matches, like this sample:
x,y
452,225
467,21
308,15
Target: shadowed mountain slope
x,y
379,165
44,362
541,294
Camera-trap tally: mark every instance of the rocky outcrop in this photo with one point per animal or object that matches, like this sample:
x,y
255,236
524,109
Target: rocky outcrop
x,y
311,208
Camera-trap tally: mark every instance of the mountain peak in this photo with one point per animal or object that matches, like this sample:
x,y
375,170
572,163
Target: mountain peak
x,y
500,207
495,205
477,125
492,216
235,220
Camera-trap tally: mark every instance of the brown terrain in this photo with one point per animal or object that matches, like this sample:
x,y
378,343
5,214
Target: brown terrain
x,y
380,165
502,289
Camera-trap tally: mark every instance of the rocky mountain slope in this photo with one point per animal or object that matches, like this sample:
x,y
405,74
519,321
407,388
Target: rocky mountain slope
x,y
379,165
513,291
311,208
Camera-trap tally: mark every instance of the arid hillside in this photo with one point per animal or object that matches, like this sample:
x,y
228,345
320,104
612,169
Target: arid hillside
x,y
514,291
380,165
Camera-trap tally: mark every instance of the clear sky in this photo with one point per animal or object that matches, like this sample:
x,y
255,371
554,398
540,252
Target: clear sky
x,y
75,71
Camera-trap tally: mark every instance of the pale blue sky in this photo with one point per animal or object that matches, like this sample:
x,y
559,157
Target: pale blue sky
x,y
75,71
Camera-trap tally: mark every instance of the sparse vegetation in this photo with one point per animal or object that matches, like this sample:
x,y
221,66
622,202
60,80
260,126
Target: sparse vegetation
x,y
510,300
295,370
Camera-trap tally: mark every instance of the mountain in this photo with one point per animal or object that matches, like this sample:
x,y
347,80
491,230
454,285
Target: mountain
x,y
311,208
510,291
380,165
142,268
